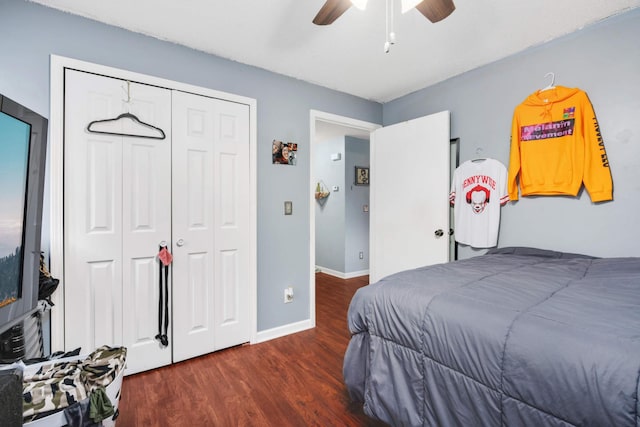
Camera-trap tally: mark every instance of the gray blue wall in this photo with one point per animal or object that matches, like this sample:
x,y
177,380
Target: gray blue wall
x,y
356,220
30,33
602,59
330,218
342,228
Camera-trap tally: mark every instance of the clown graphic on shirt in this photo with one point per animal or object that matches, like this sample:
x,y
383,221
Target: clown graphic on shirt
x,y
478,197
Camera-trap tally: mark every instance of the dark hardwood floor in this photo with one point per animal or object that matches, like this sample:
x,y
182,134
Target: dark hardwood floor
x,y
290,381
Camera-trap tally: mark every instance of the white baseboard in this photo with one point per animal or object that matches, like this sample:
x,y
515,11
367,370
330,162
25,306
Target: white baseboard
x,y
353,274
303,325
340,274
282,331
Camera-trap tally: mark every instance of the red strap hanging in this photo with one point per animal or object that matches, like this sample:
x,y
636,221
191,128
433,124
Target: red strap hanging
x,y
165,256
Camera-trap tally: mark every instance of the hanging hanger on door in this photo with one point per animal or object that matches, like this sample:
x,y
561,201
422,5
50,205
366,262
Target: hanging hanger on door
x,y
91,126
126,116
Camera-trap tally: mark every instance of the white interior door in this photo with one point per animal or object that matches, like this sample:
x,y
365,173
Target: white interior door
x,y
211,207
117,209
409,195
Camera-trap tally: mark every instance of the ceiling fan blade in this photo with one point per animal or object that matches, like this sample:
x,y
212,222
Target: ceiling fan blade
x,y
330,11
436,10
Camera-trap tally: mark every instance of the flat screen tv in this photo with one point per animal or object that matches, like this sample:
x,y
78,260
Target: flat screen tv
x,y
23,142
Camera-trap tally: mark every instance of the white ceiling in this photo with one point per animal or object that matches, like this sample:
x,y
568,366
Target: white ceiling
x,y
348,55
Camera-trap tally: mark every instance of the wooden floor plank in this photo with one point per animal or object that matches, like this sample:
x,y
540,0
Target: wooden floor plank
x,y
290,381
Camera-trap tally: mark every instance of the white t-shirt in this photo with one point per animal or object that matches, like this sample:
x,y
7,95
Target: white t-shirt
x,y
478,190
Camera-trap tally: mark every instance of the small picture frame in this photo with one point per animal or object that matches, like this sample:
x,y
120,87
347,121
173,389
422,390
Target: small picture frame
x,y
284,153
362,175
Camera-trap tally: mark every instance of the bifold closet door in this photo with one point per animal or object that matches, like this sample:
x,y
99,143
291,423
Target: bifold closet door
x,y
125,195
117,209
211,205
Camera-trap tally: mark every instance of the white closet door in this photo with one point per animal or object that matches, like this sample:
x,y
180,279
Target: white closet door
x,y
117,204
210,224
231,215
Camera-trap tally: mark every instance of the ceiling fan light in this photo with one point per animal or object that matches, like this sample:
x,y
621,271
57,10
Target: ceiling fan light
x,y
407,5
360,4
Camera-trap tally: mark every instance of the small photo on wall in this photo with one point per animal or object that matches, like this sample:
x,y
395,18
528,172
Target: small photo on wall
x,y
284,153
362,175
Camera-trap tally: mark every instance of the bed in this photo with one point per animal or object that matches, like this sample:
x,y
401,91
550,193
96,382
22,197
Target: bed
x,y
515,337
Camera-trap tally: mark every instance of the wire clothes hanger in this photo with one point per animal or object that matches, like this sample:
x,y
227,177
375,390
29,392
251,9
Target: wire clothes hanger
x,y
133,117
127,116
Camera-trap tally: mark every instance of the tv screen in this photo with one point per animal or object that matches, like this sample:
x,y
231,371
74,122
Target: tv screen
x,y
14,159
23,135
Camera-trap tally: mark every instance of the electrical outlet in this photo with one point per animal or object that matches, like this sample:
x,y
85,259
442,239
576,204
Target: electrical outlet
x,y
361,255
288,295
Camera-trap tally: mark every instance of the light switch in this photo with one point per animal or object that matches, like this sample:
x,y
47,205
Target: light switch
x,y
365,208
288,208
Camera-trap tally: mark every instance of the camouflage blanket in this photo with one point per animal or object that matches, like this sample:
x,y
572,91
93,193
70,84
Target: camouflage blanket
x,y
57,385
102,366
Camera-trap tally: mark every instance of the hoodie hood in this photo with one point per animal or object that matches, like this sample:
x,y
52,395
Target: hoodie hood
x,y
546,97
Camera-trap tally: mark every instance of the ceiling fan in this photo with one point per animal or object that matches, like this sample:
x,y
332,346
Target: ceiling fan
x,y
433,10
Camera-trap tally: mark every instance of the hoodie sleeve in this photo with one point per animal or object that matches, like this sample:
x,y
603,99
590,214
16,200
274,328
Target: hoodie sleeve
x,y
514,159
597,175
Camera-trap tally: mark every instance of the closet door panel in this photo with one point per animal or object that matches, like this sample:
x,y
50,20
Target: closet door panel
x,y
117,202
229,295
103,175
145,324
198,317
231,184
211,205
92,220
146,223
143,189
103,314
197,190
193,269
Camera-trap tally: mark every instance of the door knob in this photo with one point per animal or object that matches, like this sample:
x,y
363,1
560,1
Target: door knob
x,y
180,242
439,232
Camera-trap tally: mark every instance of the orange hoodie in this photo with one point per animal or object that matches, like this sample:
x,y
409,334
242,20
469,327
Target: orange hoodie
x,y
556,145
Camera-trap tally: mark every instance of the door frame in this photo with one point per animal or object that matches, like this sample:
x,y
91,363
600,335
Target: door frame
x,y
56,173
321,116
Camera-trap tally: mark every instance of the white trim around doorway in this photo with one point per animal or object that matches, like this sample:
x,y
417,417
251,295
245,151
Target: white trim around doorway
x,y
320,116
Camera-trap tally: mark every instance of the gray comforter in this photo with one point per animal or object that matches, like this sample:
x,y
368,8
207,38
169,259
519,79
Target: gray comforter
x,y
517,337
